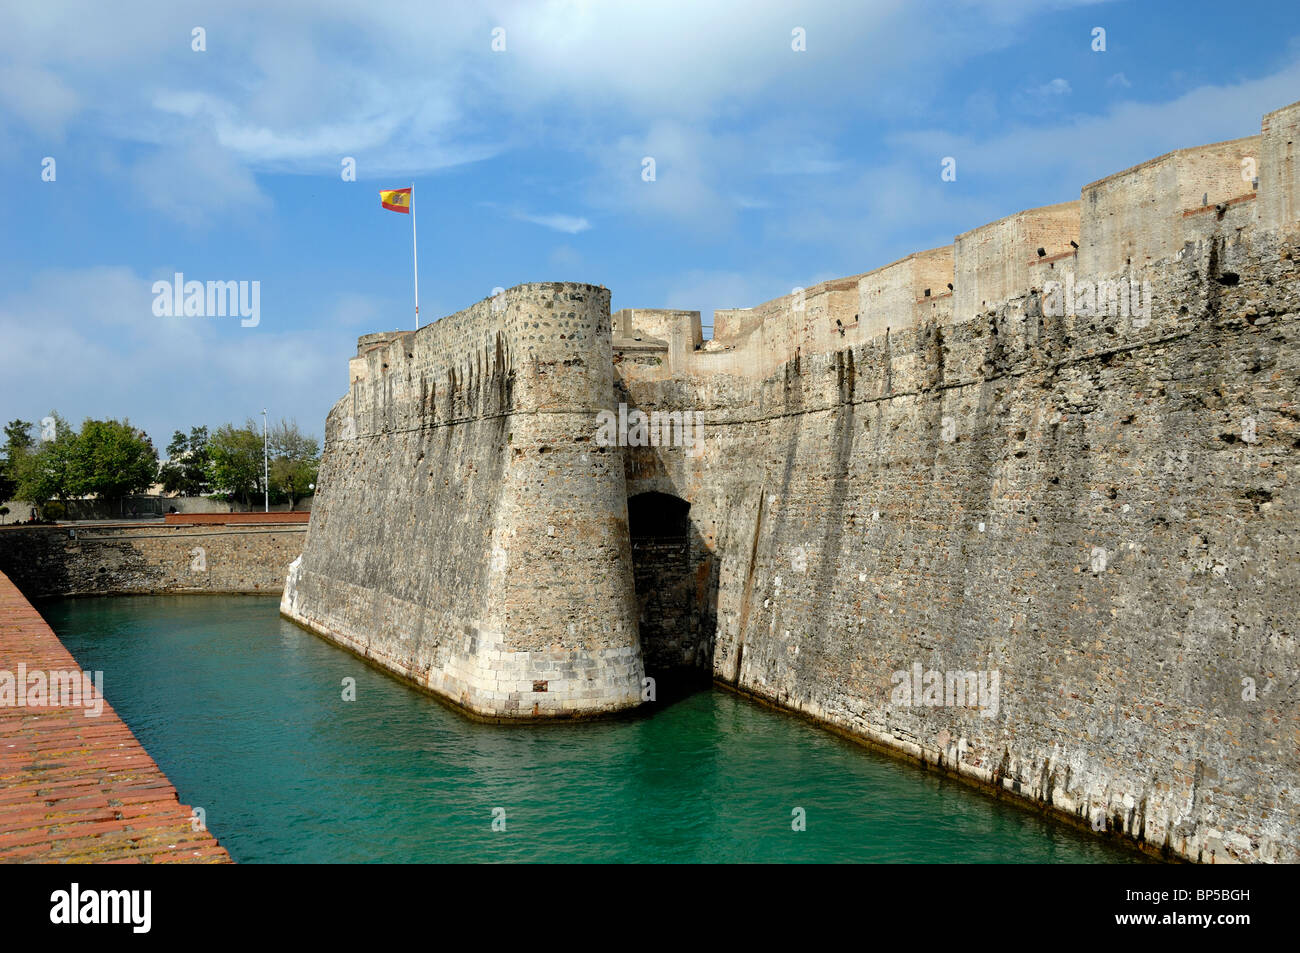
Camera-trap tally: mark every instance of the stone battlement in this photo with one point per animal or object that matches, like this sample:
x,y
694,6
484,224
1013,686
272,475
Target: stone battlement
x,y
1122,224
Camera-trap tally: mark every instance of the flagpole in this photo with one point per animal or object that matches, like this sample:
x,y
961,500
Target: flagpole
x,y
415,258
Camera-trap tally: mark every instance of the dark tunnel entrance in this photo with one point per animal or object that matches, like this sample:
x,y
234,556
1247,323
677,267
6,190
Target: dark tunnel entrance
x,y
663,571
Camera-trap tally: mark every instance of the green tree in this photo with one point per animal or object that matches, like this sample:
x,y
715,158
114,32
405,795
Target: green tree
x,y
188,463
18,437
112,460
45,471
18,443
295,460
236,461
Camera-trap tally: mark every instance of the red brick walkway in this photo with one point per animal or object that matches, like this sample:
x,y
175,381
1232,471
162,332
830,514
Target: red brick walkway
x,y
78,789
235,519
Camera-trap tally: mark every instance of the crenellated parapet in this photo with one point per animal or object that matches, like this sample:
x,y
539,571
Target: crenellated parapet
x,y
1147,213
1119,227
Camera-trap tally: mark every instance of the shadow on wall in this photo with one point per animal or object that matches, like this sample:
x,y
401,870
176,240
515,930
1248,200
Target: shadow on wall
x,y
676,591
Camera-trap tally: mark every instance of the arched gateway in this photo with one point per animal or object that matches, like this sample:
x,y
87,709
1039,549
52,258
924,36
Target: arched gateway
x,y
660,530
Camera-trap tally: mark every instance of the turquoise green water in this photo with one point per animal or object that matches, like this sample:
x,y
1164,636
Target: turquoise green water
x,y
244,712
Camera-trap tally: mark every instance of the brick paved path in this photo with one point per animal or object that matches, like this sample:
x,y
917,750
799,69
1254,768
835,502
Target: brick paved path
x,y
79,789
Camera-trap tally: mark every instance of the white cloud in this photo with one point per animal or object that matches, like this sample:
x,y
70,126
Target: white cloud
x,y
279,88
194,182
705,291
565,256
85,342
1052,161
570,224
692,167
39,97
296,89
804,162
1042,99
359,314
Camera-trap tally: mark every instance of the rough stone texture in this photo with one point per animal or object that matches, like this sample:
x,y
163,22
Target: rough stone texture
x,y
852,540
467,532
1097,508
117,560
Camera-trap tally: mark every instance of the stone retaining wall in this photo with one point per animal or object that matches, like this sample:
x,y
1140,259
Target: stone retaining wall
x,y
155,558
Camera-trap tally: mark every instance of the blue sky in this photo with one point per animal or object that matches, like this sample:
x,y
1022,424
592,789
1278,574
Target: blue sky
x,y
774,167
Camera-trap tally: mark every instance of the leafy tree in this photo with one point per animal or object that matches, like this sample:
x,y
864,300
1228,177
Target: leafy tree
x,y
293,478
18,443
46,471
236,461
295,461
188,463
18,437
112,460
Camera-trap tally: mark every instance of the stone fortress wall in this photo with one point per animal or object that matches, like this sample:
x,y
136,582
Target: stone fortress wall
x,y
920,465
467,533
1099,508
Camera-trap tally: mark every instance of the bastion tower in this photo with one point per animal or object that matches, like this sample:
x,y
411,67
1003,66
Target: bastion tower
x,y
467,533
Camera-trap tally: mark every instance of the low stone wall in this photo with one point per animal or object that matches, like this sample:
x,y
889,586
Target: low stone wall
x,y
235,519
118,559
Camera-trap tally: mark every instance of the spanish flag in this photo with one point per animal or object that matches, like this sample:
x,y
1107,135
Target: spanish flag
x,y
396,200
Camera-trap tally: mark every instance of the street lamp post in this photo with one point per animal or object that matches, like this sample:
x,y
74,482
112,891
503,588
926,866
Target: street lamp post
x,y
266,469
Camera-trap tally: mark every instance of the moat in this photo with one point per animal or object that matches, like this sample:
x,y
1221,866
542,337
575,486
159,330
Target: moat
x,y
244,712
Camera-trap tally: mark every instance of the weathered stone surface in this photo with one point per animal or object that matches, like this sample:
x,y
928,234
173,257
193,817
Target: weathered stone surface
x,y
1097,530
467,533
1091,510
116,560
78,789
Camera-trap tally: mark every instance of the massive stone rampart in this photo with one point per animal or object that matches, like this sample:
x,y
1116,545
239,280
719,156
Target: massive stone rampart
x,y
1126,222
1093,510
1103,515
467,533
1044,544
